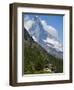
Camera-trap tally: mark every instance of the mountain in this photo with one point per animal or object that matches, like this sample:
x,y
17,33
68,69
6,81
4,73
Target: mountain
x,y
36,58
46,38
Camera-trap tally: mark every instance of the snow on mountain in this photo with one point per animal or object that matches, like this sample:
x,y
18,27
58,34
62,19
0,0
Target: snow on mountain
x,y
54,43
45,35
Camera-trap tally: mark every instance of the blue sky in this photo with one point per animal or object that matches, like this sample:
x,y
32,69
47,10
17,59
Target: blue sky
x,y
55,21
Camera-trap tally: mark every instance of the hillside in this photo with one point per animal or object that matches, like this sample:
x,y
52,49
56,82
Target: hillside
x,y
37,60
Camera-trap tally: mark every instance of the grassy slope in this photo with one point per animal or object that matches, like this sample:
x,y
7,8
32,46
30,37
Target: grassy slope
x,y
35,57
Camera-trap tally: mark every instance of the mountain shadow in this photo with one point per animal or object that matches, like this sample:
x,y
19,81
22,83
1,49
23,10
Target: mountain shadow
x,y
37,60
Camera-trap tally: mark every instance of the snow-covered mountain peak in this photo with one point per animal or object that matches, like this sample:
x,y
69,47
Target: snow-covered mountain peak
x,y
45,35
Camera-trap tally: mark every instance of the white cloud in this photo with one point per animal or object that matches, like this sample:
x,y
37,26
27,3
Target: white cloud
x,y
28,24
26,17
51,30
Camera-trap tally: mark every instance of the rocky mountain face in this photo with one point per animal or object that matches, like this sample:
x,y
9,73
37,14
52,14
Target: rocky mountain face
x,y
48,41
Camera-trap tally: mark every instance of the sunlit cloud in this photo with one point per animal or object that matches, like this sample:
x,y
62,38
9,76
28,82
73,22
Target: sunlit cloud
x,y
50,29
28,24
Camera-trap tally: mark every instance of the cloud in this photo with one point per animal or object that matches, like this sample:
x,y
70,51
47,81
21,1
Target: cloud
x,y
26,17
28,24
50,29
